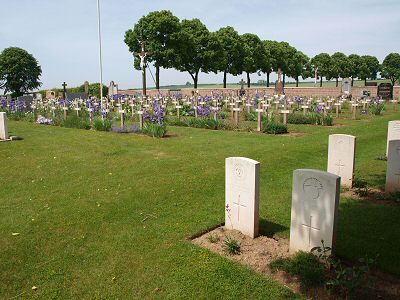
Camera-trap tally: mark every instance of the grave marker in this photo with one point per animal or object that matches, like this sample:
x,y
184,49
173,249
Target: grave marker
x,y
3,127
341,157
393,167
315,202
393,133
242,195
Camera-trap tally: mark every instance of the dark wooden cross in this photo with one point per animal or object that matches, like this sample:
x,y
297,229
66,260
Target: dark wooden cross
x,y
64,89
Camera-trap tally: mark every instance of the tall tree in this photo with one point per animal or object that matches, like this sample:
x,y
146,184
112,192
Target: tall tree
x,y
267,63
299,66
155,30
391,67
197,49
19,71
232,59
254,54
368,68
321,63
340,66
354,63
281,53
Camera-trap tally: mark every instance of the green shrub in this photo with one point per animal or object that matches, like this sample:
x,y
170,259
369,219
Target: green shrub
x,y
299,119
16,116
327,120
377,108
154,129
251,116
102,125
76,122
175,121
207,123
305,265
275,128
315,118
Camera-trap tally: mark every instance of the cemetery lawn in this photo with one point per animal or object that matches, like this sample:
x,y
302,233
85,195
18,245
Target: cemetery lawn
x,y
105,215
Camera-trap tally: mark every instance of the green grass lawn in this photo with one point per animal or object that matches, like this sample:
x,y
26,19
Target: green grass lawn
x,y
103,215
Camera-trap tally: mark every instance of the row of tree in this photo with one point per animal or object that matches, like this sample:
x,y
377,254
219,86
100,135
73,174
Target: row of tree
x,y
189,46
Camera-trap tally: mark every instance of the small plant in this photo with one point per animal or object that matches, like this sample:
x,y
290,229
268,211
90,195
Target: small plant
x,y
377,108
76,122
348,280
213,238
102,125
305,265
361,187
381,157
322,252
275,128
154,129
299,119
251,116
327,120
232,246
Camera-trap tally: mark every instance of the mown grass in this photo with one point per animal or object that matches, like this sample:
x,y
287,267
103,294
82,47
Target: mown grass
x,y
103,215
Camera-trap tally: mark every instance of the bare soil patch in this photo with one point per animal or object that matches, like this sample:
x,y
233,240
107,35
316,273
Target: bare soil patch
x,y
258,253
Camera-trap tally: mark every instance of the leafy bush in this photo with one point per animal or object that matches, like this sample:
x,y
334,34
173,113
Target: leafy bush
x,y
231,245
251,116
76,122
102,125
275,128
305,265
207,123
299,119
154,129
327,120
16,116
377,108
361,187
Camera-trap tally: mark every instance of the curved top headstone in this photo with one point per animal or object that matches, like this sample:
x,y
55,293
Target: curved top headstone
x,y
315,201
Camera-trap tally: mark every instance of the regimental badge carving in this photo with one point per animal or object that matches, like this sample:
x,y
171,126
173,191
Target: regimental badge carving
x,y
313,187
239,171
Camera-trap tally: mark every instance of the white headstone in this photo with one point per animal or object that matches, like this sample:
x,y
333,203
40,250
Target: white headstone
x,y
3,126
242,195
393,167
315,202
341,157
393,133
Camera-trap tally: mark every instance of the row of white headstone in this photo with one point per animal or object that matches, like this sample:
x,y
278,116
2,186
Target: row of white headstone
x,y
315,193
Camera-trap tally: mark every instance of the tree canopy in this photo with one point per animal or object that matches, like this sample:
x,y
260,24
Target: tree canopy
x,y
156,30
391,67
19,71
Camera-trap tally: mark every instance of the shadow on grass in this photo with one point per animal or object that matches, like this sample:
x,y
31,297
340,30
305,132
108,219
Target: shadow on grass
x,y
368,229
377,180
269,229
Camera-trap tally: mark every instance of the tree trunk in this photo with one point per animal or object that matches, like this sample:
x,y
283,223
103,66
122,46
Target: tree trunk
x,y
268,79
248,79
157,78
297,81
224,79
284,78
196,79
337,81
365,81
352,81
320,82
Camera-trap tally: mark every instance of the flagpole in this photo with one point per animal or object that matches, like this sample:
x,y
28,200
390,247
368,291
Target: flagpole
x,y
100,57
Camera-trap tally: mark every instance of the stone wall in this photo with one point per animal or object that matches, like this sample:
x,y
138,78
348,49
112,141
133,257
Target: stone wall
x,y
290,91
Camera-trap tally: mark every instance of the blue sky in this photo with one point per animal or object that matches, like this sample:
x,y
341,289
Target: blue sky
x,y
62,35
